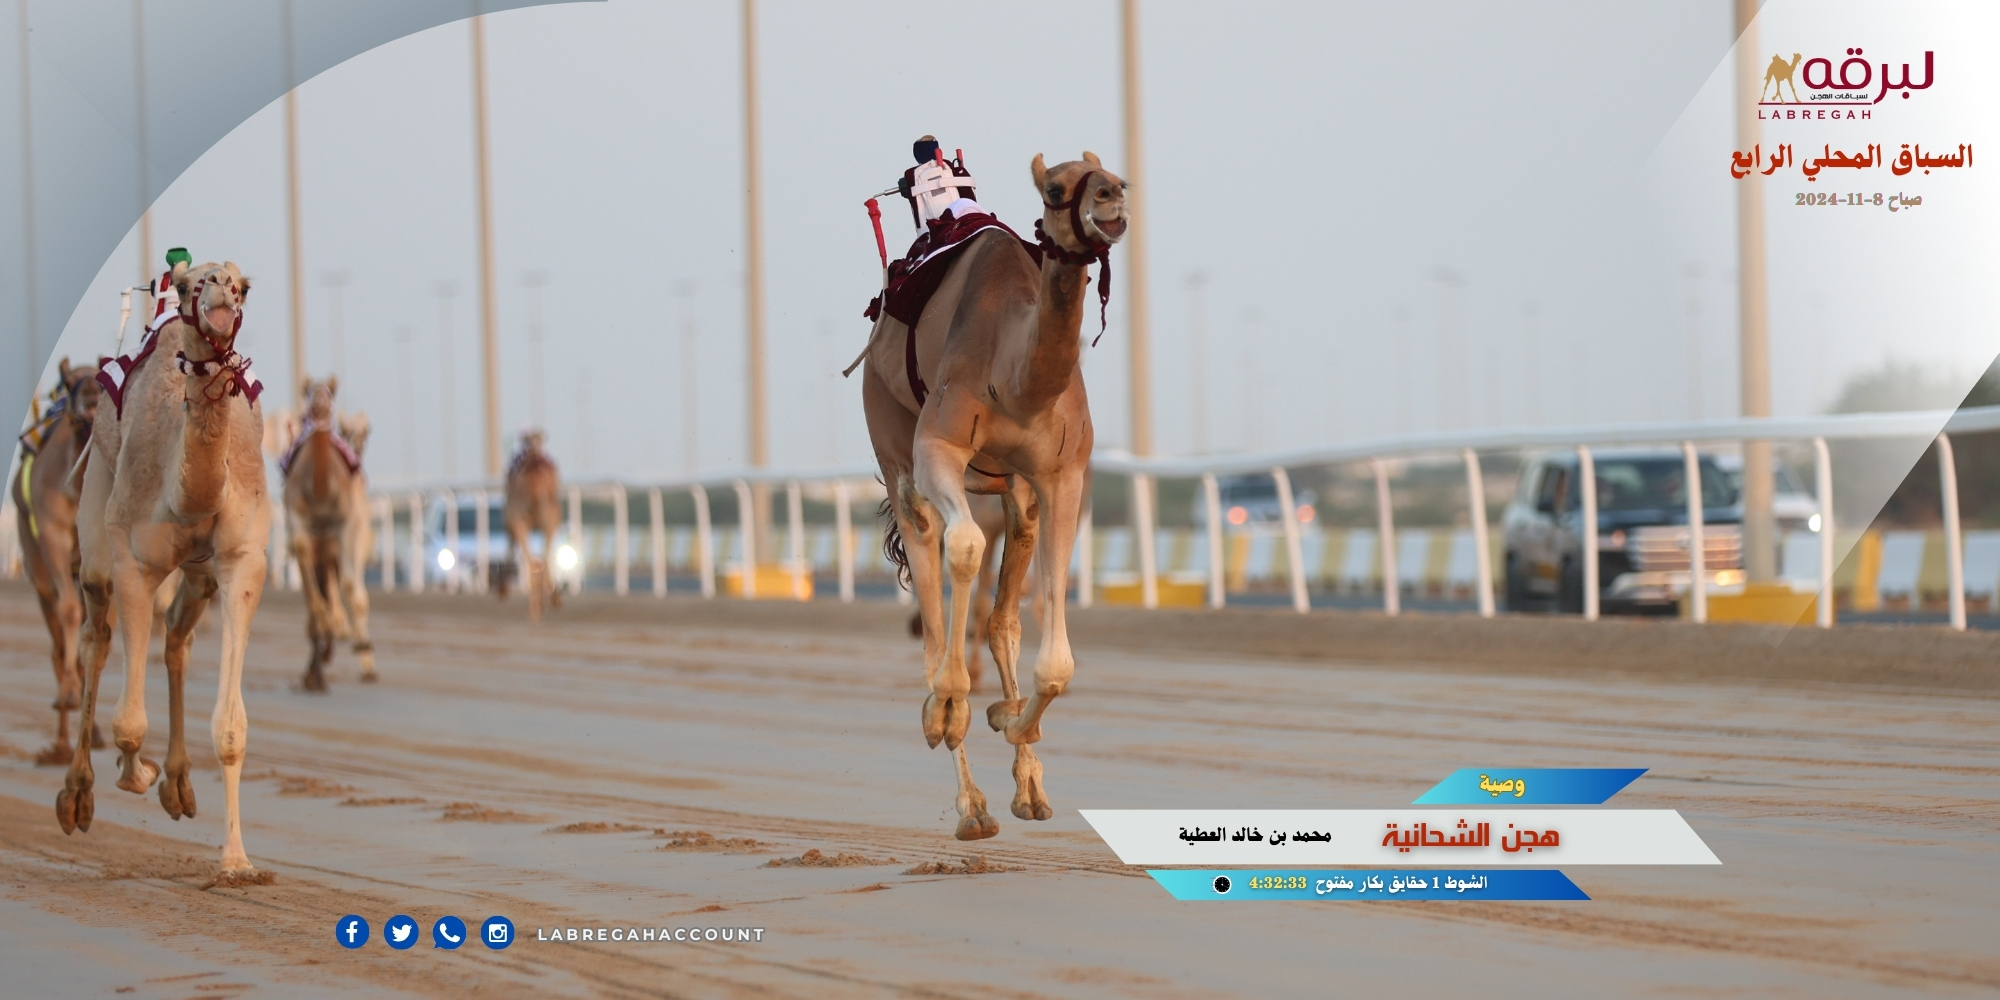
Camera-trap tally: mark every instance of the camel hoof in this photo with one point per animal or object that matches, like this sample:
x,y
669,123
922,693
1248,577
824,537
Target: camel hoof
x,y
139,774
370,677
933,721
977,826
314,682
177,796
998,713
96,738
957,717
75,806
54,754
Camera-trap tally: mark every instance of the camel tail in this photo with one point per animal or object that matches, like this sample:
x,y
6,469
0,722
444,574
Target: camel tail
x,y
892,545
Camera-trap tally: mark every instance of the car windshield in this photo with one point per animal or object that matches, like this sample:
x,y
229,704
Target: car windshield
x,y
1250,488
468,520
1657,483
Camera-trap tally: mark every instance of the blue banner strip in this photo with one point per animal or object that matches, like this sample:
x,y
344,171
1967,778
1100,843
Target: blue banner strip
x,y
1367,883
1532,786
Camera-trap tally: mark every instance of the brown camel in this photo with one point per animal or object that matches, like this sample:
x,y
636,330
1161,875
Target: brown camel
x,y
326,518
47,525
534,503
180,485
998,347
1779,73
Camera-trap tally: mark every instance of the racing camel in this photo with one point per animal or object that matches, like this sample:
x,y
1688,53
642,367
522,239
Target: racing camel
x,y
179,485
534,503
983,393
326,518
46,499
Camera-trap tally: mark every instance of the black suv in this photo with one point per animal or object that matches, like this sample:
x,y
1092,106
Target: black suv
x,y
1642,534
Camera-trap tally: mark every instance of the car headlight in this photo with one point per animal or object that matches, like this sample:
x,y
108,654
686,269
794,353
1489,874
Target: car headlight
x,y
446,560
1812,523
566,557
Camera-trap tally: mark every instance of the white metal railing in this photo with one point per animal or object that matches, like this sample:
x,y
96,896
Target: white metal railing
x,y
1144,472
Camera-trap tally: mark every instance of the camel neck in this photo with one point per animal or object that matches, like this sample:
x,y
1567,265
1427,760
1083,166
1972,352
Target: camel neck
x,y
204,465
1058,340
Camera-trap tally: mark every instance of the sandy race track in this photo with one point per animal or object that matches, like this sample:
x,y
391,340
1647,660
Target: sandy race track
x,y
632,764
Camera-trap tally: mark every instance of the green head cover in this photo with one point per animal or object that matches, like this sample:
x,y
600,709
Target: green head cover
x,y
178,255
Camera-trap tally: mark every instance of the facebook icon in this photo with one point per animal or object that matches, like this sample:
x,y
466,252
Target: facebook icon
x,y
351,931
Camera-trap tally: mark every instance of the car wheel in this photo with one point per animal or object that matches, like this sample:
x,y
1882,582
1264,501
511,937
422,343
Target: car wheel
x,y
1571,591
1515,592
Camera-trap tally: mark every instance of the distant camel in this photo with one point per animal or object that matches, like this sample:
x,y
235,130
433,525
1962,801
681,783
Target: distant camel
x,y
46,500
1779,73
326,515
534,503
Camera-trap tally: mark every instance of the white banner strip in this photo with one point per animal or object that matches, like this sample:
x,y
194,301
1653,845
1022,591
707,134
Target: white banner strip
x,y
1457,838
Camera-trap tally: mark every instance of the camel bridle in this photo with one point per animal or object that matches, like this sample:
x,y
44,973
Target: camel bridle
x,y
229,367
1095,251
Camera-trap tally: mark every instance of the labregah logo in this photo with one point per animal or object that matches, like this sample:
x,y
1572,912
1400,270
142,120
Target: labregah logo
x,y
1850,82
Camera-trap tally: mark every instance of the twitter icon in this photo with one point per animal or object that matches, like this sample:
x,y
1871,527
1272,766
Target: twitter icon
x,y
400,931
448,933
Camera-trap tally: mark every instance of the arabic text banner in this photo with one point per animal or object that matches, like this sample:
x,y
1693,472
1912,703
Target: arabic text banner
x,y
1407,836
1367,884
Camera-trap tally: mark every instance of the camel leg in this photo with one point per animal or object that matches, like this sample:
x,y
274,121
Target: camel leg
x,y
242,581
132,595
918,522
49,590
190,600
1003,632
548,553
318,635
939,477
1055,665
355,595
75,805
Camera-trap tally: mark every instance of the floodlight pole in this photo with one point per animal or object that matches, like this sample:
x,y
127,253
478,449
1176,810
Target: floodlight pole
x,y
296,261
489,335
1759,527
753,285
34,359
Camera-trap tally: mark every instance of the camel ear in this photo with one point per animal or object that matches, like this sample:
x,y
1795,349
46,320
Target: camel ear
x,y
332,385
62,370
1091,158
1041,172
305,388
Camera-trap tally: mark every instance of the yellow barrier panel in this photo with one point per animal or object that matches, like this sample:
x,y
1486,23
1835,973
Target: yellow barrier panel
x,y
1765,604
774,582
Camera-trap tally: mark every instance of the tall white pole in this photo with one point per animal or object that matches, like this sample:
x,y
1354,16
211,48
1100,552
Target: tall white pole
x,y
1759,527
1149,571
843,517
1138,326
295,255
489,339
31,367
656,525
753,293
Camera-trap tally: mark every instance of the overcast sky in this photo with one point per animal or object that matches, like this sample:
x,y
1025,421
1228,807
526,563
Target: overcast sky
x,y
1403,217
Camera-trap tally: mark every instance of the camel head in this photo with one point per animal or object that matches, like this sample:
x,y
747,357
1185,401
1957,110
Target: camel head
x,y
531,441
212,300
318,397
80,381
1081,194
354,427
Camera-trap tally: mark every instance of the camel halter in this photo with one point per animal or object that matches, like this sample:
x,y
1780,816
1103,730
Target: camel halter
x,y
1099,252
230,368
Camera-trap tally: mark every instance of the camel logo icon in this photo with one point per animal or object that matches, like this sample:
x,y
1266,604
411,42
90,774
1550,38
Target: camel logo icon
x,y
1778,75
